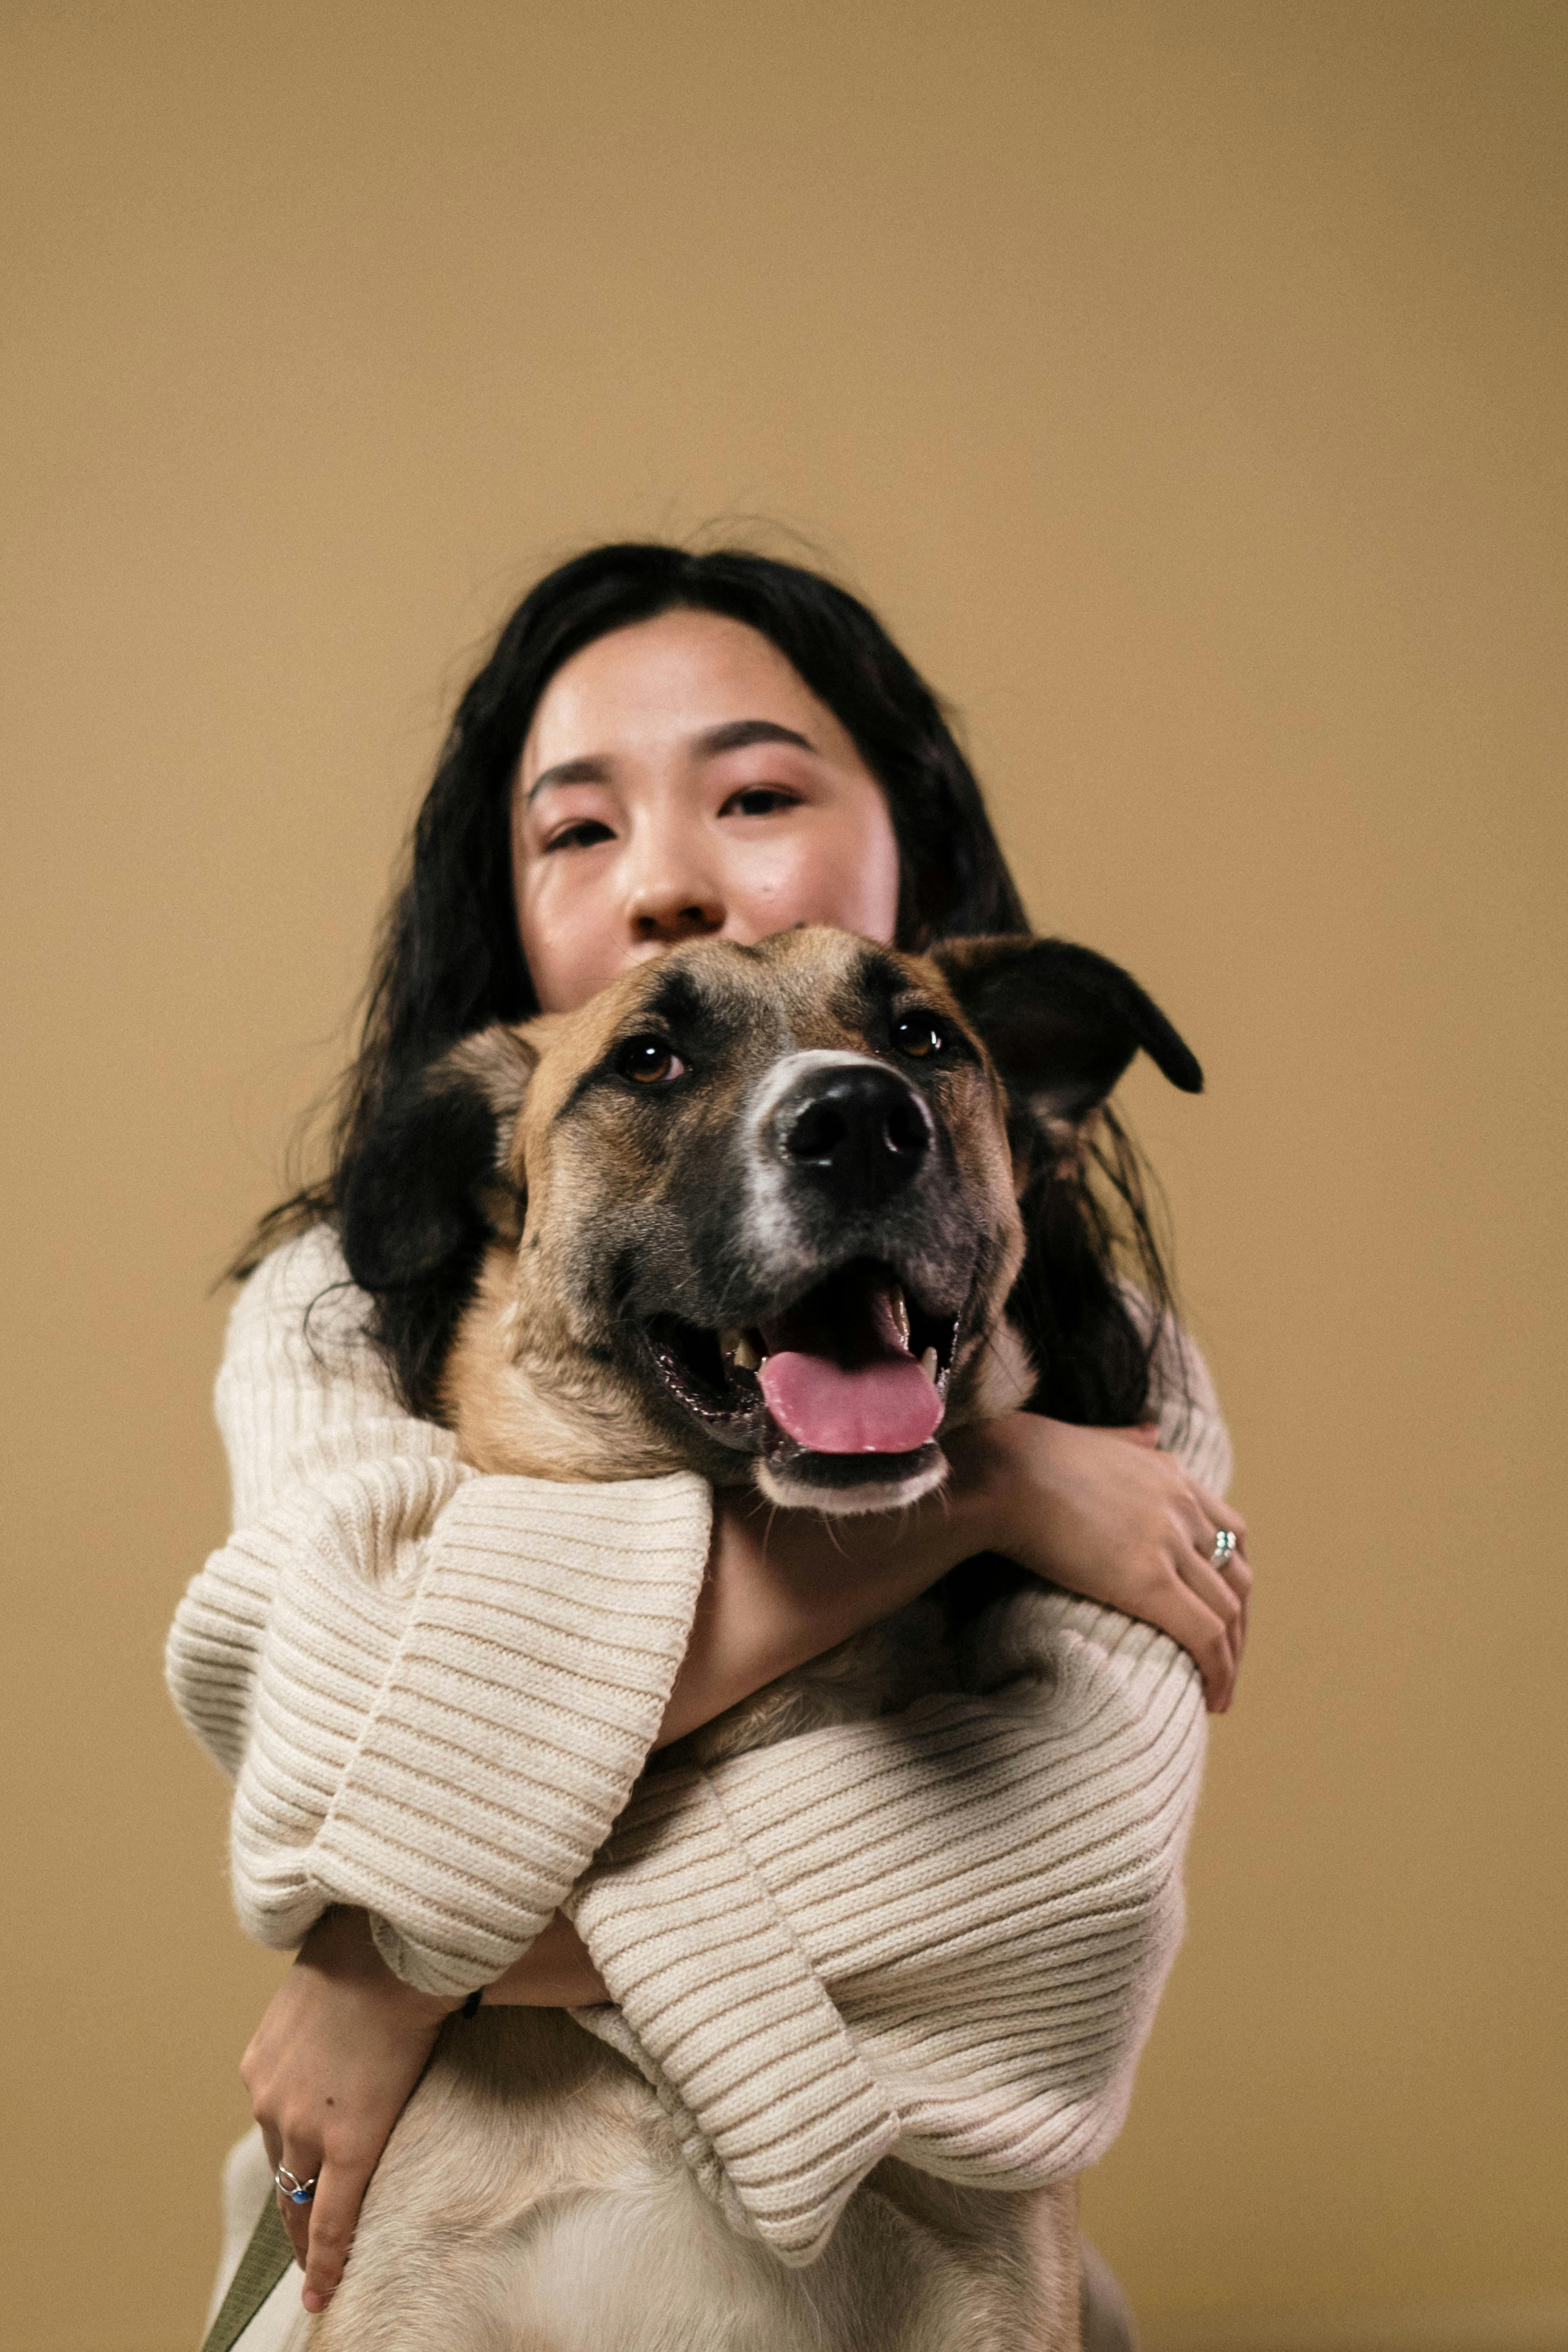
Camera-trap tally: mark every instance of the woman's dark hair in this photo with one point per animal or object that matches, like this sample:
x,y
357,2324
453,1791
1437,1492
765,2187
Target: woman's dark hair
x,y
448,960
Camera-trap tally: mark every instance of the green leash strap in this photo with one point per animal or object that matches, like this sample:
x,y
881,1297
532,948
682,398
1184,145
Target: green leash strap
x,y
262,2264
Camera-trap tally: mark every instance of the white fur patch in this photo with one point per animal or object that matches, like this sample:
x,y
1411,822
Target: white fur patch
x,y
770,1215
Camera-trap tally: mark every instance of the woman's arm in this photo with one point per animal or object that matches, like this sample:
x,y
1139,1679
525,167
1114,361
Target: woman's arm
x,y
948,1930
343,2041
434,1690
940,1935
358,1490
372,1658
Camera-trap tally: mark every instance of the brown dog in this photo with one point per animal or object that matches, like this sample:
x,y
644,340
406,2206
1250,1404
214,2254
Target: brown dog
x,y
751,1212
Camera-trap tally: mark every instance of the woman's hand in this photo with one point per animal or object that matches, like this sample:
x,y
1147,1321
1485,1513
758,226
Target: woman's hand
x,y
1098,1510
1101,1512
329,2069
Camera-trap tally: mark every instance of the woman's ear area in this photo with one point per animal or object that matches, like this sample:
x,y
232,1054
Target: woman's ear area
x,y
1060,1023
433,1183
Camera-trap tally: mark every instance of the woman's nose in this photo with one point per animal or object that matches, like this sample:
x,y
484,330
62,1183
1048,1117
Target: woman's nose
x,y
676,905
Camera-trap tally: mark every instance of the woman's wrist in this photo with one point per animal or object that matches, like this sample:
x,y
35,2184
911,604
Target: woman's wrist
x,y
555,1972
784,1587
981,1495
340,1945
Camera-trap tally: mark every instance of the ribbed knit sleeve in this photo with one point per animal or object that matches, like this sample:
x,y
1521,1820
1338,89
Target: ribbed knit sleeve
x,y
434,1690
941,1935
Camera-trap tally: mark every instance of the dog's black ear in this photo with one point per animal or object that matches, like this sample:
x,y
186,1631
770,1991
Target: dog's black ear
x,y
1060,1023
430,1185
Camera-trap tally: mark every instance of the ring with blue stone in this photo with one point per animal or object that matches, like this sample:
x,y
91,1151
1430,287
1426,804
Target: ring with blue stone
x,y
298,2193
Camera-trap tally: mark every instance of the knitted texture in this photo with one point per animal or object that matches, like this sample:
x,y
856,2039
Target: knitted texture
x,y
940,1935
434,1690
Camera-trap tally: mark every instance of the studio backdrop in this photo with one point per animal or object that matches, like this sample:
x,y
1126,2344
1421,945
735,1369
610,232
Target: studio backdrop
x,y
1182,380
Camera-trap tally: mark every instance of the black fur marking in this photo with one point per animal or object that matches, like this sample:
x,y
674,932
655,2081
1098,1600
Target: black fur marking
x,y
678,1000
416,1216
678,1011
833,1472
1061,1022
879,976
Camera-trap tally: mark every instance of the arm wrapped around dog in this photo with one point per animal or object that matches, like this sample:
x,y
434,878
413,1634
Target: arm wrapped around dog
x,y
940,1935
434,1690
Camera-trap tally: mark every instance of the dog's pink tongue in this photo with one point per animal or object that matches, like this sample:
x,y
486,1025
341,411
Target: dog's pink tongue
x,y
885,1407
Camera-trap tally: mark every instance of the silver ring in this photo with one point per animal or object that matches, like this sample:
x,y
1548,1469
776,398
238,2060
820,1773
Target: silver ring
x,y
1224,1545
298,2193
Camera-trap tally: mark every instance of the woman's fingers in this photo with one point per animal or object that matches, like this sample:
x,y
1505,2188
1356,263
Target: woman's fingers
x,y
1209,1514
1203,1633
1210,1586
297,2219
334,2213
1237,1573
1220,1514
1236,1568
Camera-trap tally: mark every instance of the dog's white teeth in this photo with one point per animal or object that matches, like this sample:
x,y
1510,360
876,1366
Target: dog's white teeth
x,y
739,1350
929,1365
898,1308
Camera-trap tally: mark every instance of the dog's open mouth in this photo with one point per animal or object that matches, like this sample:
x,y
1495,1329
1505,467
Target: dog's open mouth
x,y
855,1366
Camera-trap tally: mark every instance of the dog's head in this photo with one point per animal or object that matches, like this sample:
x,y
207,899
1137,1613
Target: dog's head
x,y
754,1210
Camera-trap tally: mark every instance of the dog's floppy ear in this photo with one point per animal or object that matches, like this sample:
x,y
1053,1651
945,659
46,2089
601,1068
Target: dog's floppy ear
x,y
431,1183
1060,1023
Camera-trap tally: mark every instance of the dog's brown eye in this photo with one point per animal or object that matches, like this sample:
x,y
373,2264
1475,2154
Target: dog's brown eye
x,y
650,1062
920,1034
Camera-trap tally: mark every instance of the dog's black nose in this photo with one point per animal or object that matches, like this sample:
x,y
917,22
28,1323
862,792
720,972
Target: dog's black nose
x,y
861,1133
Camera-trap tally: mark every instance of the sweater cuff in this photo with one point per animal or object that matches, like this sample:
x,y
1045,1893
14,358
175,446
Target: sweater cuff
x,y
774,2107
518,1710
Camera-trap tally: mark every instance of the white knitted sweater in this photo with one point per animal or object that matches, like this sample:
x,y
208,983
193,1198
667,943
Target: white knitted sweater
x,y
940,1935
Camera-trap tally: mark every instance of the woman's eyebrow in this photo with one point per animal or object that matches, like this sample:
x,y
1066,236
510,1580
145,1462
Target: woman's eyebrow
x,y
737,733
732,736
570,771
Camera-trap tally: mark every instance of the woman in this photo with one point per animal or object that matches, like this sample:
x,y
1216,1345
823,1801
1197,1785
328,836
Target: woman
x,y
662,746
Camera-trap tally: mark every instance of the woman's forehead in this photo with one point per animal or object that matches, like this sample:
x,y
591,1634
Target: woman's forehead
x,y
672,684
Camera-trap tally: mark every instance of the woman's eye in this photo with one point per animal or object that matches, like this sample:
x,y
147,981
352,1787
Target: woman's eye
x,y
759,799
650,1062
920,1034
580,836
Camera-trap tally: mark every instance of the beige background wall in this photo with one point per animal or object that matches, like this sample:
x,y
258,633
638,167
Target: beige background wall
x,y
1185,385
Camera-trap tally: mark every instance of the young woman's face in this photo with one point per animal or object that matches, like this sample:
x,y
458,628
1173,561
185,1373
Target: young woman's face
x,y
680,781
